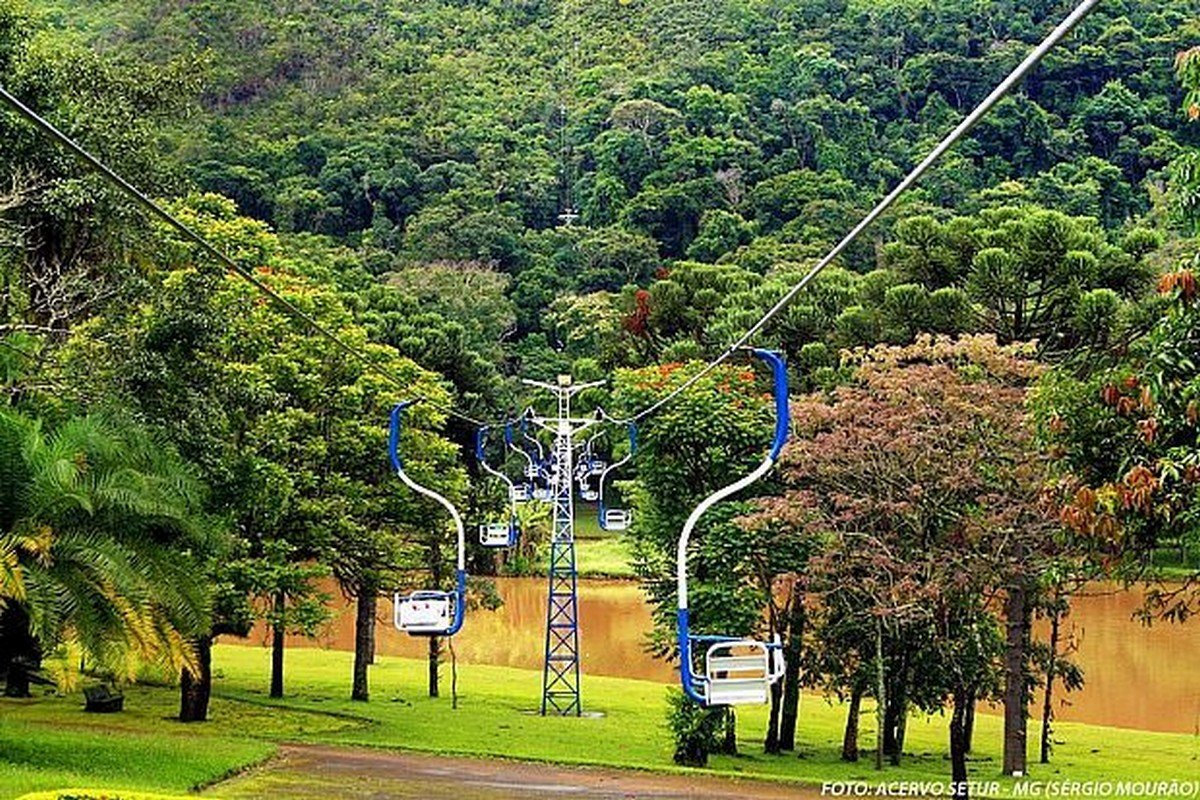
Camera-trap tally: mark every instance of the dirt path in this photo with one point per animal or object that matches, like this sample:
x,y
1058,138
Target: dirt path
x,y
308,772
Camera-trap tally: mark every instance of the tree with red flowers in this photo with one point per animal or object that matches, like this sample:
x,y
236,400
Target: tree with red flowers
x,y
1127,448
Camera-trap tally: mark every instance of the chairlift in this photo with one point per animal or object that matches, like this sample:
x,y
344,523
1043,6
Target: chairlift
x,y
616,519
737,670
497,534
428,612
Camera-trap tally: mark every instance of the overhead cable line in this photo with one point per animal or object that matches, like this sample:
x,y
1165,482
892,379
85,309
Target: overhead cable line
x,y
188,232
1002,89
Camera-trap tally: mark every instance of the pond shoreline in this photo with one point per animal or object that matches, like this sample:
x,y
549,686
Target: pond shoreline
x,y
1136,677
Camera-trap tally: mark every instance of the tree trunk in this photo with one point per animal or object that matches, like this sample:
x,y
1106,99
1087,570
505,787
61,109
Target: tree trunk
x,y
729,740
896,711
278,632
21,653
374,621
364,635
16,680
895,707
790,713
969,721
901,730
958,745
771,743
1051,676
1016,691
880,694
195,690
850,737
435,653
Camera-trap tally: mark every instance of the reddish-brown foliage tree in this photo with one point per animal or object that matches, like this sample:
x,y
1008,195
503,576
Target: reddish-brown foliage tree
x,y
923,477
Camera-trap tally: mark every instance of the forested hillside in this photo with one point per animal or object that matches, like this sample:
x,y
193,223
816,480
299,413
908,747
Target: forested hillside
x,y
745,134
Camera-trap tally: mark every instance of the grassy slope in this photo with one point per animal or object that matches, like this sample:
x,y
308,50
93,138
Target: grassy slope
x,y
599,553
48,743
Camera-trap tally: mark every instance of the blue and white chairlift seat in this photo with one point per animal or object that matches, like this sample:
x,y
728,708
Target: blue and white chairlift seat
x,y
615,519
429,612
737,670
497,534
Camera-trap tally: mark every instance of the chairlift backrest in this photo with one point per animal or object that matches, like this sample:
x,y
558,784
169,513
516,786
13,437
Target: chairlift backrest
x,y
497,534
738,672
617,519
424,612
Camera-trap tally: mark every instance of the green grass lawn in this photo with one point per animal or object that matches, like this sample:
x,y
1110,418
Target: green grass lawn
x,y
603,558
48,742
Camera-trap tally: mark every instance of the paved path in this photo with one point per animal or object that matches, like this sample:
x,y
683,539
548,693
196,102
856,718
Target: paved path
x,y
308,772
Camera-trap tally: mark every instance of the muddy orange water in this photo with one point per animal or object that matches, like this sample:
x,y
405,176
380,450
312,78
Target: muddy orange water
x,y
1137,677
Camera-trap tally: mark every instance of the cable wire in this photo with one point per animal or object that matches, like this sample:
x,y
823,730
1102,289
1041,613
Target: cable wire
x,y
1084,8
161,213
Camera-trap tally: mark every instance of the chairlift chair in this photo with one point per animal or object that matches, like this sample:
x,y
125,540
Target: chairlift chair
x,y
497,534
428,612
616,519
737,670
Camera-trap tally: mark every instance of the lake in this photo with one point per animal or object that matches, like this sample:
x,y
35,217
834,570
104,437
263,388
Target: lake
x,y
1137,676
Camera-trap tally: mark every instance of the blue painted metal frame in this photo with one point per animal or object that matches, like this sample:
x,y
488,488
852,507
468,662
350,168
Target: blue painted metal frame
x,y
514,529
459,594
694,686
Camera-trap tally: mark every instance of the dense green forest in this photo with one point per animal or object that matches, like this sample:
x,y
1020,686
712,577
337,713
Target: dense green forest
x,y
474,192
744,134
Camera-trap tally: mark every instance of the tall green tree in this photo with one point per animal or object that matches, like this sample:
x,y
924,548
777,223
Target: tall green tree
x,y
289,432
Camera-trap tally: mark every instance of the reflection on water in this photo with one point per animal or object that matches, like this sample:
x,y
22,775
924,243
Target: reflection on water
x,y
1137,677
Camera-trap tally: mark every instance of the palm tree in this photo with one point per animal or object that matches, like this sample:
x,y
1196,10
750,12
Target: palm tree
x,y
100,533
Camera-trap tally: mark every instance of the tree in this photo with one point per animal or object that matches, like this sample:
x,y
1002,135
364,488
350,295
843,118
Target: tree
x,y
922,478
100,525
1124,438
288,431
73,232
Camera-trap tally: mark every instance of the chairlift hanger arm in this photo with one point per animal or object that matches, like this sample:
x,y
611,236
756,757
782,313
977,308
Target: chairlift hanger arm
x,y
685,639
481,457
460,577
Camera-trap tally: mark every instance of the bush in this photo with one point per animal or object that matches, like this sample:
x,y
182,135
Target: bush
x,y
695,729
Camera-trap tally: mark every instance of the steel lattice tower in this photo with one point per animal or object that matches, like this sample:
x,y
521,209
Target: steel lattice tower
x,y
560,672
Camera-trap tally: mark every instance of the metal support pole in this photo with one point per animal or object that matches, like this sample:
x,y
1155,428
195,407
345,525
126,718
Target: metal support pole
x,y
560,671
